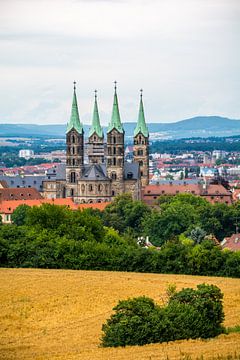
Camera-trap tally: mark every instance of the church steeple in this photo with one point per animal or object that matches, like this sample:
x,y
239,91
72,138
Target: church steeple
x,y
141,124
95,138
115,122
74,122
141,145
96,126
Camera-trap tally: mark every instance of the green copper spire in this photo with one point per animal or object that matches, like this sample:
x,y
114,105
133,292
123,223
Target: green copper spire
x,y
115,122
74,122
141,124
96,127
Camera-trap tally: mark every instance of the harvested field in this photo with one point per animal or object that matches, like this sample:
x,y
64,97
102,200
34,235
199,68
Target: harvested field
x,y
58,314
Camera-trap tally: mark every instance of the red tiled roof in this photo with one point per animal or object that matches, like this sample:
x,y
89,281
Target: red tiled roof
x,y
7,207
213,193
19,194
232,243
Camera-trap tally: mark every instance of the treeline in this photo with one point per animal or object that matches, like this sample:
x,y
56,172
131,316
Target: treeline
x,y
56,237
179,145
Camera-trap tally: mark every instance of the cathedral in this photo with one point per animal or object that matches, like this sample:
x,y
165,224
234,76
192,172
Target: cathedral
x,y
107,174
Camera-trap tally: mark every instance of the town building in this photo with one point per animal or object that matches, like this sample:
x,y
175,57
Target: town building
x,y
210,192
231,243
26,153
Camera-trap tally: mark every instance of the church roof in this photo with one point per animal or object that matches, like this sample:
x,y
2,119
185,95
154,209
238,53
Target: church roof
x,y
115,122
96,127
74,122
131,168
94,172
141,124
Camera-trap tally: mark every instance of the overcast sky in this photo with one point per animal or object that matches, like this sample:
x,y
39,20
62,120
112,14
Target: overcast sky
x,y
185,54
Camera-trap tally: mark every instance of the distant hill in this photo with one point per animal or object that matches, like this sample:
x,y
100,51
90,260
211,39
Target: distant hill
x,y
203,126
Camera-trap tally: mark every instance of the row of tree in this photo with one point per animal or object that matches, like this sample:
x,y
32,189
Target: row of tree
x,y
55,237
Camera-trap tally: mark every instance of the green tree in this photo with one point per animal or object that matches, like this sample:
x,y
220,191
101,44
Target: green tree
x,y
188,314
19,215
124,213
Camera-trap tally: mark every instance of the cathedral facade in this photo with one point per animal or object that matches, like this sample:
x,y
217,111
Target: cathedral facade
x,y
106,174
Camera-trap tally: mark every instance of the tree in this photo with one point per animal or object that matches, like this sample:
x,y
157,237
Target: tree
x,y
19,215
197,235
188,314
124,213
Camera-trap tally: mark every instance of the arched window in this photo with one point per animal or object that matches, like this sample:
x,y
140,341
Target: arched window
x,y
114,150
113,192
73,150
140,138
114,161
82,188
73,139
72,192
94,138
73,162
114,176
114,139
140,163
129,175
140,152
100,187
73,177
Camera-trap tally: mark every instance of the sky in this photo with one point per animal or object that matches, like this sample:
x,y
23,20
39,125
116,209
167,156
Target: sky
x,y
184,54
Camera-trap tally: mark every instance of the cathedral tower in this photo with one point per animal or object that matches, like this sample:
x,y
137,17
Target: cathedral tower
x,y
95,139
75,149
115,149
141,145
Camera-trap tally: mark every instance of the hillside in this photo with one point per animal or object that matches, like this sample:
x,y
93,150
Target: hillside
x,y
203,126
57,314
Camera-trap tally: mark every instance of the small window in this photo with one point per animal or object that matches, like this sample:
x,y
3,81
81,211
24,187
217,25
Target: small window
x,y
90,187
129,175
114,176
72,192
73,177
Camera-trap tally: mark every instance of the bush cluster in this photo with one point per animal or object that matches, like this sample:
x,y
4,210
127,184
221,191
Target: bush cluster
x,y
188,314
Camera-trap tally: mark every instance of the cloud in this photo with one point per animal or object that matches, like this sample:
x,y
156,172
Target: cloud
x,y
184,54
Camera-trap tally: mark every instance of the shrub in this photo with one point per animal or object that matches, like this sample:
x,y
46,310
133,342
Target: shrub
x,y
188,314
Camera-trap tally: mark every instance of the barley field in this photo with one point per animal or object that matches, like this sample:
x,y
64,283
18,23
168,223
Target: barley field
x,y
58,314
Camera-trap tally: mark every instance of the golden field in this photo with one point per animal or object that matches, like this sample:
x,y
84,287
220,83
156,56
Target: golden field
x,y
58,314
